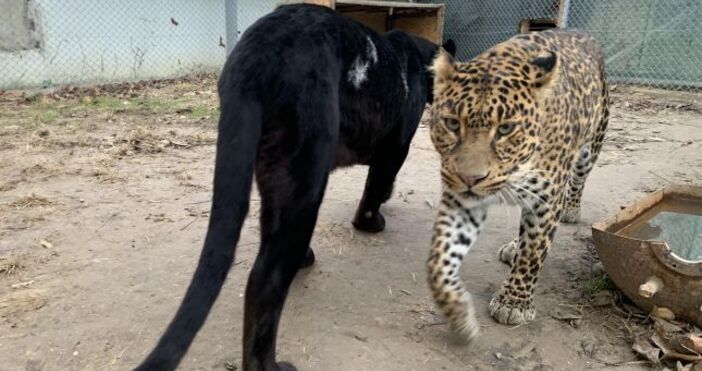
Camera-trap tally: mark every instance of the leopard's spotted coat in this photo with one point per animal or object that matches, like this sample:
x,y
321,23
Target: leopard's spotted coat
x,y
522,123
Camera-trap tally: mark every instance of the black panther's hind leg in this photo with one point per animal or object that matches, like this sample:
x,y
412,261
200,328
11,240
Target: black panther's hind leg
x,y
381,175
309,259
291,188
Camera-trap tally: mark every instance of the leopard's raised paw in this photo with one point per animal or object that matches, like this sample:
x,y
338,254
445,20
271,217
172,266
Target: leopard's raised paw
x,y
463,321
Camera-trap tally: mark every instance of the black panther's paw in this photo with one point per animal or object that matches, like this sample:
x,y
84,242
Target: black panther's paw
x,y
308,259
369,222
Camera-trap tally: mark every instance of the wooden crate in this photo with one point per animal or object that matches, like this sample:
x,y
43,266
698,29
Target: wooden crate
x,y
425,20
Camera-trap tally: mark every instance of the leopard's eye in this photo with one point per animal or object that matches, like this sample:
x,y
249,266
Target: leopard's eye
x,y
506,129
452,124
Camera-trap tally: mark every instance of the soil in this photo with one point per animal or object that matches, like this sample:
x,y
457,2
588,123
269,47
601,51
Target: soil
x,y
104,198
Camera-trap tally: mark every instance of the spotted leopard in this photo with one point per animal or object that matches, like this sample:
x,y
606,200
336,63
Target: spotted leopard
x,y
522,124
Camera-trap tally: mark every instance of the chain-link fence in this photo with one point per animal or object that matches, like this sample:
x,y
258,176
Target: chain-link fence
x,y
53,42
647,42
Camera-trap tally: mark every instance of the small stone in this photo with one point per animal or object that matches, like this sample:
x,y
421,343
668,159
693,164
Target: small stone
x,y
597,269
663,313
589,346
602,299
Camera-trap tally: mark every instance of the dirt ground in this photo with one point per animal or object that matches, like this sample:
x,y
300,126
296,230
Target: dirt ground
x,y
104,199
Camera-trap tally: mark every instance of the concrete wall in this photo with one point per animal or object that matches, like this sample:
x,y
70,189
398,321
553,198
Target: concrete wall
x,y
249,11
95,41
19,29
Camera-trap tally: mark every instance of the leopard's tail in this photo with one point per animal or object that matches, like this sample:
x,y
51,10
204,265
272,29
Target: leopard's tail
x,y
237,144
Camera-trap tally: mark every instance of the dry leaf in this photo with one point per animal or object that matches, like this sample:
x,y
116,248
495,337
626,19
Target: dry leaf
x,y
644,348
664,327
693,343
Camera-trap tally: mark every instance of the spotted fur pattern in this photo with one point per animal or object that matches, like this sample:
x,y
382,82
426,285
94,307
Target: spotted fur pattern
x,y
521,124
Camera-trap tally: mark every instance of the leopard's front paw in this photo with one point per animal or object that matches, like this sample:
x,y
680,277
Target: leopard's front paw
x,y
511,311
462,320
570,215
507,251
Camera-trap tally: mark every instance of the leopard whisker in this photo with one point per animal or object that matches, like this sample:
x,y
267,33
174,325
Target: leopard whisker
x,y
516,199
530,192
525,201
501,195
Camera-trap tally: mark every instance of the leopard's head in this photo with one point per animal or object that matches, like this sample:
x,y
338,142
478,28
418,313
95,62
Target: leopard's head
x,y
486,117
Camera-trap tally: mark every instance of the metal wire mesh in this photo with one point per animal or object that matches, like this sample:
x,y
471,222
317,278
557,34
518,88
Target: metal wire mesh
x,y
654,43
54,42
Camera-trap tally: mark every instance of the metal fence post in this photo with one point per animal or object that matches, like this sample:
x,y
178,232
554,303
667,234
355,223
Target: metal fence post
x,y
230,10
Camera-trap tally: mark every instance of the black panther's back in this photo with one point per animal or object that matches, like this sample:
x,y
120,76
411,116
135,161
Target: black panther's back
x,y
373,72
304,90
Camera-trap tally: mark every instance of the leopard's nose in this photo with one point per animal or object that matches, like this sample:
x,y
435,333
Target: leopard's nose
x,y
472,179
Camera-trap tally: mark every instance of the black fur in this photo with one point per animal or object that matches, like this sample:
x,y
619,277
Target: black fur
x,y
291,114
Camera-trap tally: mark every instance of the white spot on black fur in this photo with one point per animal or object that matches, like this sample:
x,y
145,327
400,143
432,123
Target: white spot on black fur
x,y
403,75
358,72
371,51
368,214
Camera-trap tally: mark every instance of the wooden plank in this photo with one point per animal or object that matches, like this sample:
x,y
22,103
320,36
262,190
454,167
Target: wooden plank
x,y
424,25
375,21
327,3
388,4
440,24
424,20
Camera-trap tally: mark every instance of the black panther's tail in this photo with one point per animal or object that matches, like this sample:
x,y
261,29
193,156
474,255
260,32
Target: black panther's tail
x,y
239,132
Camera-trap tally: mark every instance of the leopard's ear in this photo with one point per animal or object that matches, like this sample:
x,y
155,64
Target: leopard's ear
x,y
443,69
544,66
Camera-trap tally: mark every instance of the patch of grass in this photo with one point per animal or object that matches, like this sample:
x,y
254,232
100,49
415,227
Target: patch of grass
x,y
43,112
127,105
48,116
597,284
12,264
200,111
31,200
106,103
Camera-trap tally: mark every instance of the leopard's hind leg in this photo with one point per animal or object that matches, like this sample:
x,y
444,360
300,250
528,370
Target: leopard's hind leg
x,y
578,174
576,184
